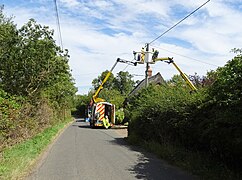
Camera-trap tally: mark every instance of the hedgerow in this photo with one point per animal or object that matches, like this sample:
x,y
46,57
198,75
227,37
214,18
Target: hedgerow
x,y
36,86
208,121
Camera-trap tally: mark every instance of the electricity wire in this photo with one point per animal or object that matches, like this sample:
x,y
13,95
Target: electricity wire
x,y
172,27
186,56
178,22
58,24
137,75
126,67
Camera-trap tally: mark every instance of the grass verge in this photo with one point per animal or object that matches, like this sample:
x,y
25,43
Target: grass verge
x,y
16,161
199,164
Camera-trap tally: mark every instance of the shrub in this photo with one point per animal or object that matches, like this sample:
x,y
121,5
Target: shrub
x,y
9,112
162,112
209,120
119,116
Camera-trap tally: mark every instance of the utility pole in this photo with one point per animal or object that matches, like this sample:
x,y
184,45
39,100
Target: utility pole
x,y
146,75
150,57
147,66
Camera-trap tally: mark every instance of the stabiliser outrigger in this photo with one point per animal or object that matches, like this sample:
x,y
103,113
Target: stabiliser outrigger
x,y
102,113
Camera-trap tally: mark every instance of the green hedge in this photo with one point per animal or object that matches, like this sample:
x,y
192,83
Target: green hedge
x,y
163,113
9,112
209,120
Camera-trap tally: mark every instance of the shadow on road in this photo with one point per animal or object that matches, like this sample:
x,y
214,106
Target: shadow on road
x,y
149,167
82,126
80,120
86,127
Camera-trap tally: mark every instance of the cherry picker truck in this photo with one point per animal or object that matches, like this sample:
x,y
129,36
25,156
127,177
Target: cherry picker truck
x,y
100,112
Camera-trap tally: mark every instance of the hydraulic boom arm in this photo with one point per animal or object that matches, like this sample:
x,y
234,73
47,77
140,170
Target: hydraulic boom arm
x,y
183,75
95,96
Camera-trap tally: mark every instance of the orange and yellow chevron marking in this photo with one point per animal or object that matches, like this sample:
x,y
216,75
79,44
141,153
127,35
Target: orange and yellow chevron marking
x,y
100,109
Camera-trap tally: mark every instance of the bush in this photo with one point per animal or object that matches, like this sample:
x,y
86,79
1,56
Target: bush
x,y
209,120
223,131
9,112
20,120
162,112
119,116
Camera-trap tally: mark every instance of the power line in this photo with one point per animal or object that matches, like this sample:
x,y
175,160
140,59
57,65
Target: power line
x,y
58,24
175,26
186,56
179,22
137,75
126,67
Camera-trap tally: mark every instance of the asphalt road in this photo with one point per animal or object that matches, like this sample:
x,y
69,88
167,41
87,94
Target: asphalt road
x,y
82,153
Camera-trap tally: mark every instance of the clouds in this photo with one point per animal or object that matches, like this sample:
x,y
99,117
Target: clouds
x,y
71,3
97,32
216,33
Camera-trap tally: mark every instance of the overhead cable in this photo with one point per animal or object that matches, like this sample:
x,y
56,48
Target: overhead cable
x,y
178,22
58,24
176,25
186,56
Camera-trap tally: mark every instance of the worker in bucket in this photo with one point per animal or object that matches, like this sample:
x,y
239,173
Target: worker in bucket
x,y
106,123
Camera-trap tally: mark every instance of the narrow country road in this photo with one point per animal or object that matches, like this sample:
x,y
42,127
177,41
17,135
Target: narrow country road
x,y
82,153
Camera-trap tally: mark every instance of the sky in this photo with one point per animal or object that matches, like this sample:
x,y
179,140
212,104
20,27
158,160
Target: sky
x,y
97,32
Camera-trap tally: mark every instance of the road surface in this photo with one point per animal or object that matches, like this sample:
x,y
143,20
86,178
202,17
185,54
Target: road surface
x,y
82,153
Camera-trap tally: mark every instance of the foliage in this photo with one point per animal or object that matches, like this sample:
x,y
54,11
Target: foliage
x,y
226,90
36,62
119,116
161,112
116,87
208,121
223,132
113,96
9,111
36,87
97,81
81,102
123,82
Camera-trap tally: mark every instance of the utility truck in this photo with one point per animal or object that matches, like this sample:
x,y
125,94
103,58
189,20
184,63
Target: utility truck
x,y
100,112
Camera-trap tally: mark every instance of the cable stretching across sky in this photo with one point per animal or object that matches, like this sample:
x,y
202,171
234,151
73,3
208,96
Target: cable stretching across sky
x,y
178,22
58,24
186,56
176,25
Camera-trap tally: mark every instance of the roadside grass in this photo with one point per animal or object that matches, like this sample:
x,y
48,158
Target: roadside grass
x,y
199,164
16,160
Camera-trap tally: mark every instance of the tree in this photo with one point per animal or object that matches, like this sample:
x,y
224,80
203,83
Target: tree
x,y
81,103
9,40
227,87
113,96
123,82
115,89
108,84
34,63
36,86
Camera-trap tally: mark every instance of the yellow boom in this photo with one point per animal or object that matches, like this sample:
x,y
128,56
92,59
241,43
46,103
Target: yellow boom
x,y
183,75
95,96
